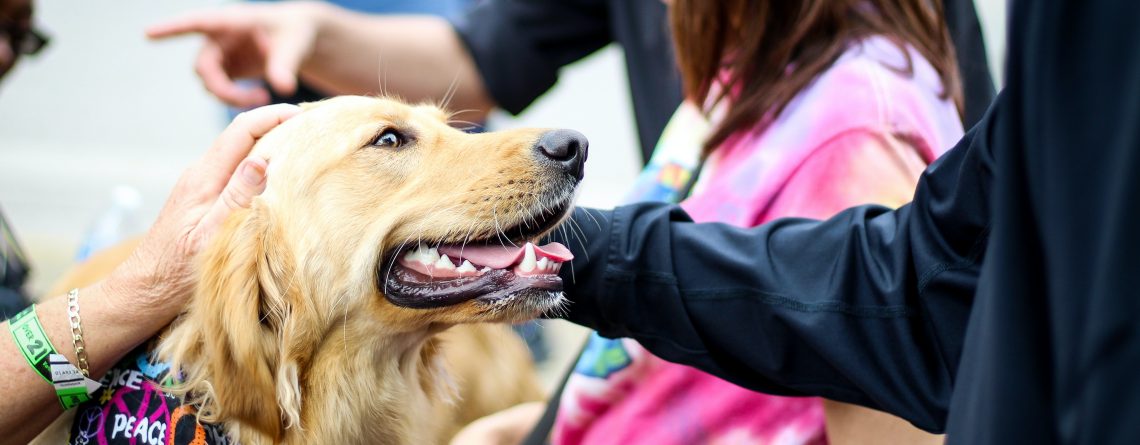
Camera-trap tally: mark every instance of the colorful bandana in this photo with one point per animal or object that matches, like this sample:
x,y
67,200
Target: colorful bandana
x,y
132,409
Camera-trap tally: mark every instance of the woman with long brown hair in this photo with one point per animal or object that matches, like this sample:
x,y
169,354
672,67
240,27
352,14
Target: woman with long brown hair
x,y
794,108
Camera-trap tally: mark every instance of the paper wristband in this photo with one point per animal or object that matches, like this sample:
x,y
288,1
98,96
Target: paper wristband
x,y
71,387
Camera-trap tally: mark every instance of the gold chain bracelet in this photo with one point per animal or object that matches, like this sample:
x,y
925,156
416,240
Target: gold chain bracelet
x,y
77,331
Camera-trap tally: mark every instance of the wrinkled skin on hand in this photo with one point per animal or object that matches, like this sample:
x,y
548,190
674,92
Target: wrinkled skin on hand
x,y
158,275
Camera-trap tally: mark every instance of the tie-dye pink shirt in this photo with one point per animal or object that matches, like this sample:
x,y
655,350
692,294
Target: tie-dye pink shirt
x,y
860,133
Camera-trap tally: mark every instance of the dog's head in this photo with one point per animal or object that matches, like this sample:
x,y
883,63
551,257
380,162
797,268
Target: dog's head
x,y
378,219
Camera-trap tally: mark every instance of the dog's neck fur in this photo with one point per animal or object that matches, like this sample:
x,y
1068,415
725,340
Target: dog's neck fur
x,y
390,392
388,388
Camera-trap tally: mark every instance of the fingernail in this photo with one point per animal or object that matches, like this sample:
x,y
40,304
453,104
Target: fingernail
x,y
253,173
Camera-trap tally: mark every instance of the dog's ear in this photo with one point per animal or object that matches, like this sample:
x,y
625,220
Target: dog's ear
x,y
224,345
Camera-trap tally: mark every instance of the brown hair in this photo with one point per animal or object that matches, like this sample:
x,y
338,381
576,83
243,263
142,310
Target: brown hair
x,y
764,52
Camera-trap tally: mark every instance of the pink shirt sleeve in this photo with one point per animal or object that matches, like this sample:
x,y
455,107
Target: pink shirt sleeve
x,y
856,167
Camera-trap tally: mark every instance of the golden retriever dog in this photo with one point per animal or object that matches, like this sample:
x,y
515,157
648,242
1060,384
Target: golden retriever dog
x,y
322,312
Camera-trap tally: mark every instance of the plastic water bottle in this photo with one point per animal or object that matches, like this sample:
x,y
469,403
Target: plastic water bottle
x,y
116,223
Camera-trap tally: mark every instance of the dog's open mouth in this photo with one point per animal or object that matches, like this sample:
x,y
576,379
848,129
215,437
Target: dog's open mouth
x,y
425,276
474,261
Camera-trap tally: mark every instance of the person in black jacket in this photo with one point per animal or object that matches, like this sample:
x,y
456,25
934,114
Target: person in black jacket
x,y
503,53
1000,306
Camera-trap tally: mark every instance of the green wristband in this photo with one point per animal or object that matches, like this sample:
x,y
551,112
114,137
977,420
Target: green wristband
x,y
32,341
71,387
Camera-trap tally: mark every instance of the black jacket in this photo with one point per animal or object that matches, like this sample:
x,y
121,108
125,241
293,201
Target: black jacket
x,y
1000,306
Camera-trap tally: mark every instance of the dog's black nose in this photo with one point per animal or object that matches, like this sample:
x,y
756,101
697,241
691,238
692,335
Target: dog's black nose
x,y
566,148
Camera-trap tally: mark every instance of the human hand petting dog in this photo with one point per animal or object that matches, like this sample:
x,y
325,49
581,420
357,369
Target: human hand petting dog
x,y
159,273
149,289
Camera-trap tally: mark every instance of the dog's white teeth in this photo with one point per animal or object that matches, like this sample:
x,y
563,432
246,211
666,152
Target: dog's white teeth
x,y
528,263
423,255
543,264
466,267
555,266
485,269
444,263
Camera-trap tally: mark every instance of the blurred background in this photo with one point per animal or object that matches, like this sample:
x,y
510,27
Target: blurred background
x,y
103,107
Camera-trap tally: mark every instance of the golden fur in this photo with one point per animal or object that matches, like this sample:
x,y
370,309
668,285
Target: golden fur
x,y
288,338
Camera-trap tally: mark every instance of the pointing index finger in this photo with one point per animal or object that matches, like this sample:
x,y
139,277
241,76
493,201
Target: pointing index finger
x,y
204,22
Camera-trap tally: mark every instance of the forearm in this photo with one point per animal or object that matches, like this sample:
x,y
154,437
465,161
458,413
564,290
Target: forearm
x,y
150,287
781,309
418,58
112,327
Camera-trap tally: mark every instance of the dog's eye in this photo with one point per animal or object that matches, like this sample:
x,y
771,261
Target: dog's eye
x,y
389,139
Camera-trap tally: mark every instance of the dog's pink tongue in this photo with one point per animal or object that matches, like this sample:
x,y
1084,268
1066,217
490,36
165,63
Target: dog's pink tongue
x,y
501,257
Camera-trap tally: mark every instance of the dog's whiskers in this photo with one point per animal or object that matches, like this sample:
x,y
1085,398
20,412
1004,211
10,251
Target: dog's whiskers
x,y
501,233
452,114
470,125
392,264
450,93
579,235
382,69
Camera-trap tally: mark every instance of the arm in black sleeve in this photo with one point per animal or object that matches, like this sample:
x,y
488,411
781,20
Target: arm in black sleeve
x,y
519,45
868,307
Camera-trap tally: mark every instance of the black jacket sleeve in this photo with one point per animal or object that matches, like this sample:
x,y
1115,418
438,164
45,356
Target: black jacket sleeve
x,y
519,45
868,307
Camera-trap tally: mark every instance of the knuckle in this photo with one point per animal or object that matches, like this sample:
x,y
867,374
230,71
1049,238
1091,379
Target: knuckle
x,y
233,198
